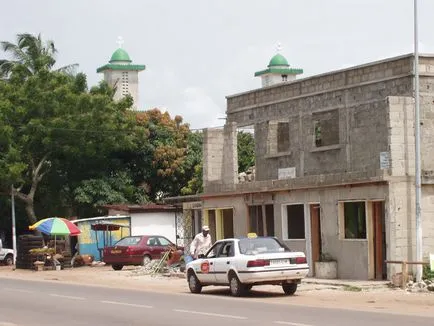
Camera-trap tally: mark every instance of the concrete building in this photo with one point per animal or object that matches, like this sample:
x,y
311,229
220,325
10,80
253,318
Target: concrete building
x,y
334,171
121,74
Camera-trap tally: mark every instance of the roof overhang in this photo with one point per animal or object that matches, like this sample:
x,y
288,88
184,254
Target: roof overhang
x,y
111,66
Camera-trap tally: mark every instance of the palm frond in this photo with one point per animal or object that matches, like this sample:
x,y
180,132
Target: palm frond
x,y
6,67
70,70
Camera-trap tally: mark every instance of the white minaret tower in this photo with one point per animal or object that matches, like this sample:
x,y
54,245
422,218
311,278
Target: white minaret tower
x,y
121,74
278,70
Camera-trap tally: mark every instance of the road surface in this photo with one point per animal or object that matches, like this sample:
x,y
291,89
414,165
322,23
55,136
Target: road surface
x,y
51,303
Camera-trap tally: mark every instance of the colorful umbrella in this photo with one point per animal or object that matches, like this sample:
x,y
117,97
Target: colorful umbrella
x,y
56,226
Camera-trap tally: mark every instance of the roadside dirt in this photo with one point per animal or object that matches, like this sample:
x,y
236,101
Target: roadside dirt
x,y
381,299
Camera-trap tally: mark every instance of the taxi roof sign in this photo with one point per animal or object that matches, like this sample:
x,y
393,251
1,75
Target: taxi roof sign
x,y
252,235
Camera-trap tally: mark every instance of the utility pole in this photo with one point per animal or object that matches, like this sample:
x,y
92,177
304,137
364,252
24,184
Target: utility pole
x,y
14,234
419,255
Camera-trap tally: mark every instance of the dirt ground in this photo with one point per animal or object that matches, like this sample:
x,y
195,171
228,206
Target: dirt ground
x,y
351,296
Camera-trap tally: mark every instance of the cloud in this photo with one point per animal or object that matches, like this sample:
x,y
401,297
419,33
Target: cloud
x,y
200,110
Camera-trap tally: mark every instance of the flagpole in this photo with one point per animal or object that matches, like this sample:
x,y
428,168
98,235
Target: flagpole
x,y
419,251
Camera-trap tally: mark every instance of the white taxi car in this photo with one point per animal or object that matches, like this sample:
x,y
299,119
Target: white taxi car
x,y
244,262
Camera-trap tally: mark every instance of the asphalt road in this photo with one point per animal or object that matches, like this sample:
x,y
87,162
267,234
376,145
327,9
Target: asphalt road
x,y
51,303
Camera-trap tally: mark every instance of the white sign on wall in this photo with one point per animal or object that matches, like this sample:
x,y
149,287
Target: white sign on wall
x,y
384,160
286,173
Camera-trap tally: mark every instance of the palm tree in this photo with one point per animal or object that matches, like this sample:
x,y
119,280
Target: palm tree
x,y
31,55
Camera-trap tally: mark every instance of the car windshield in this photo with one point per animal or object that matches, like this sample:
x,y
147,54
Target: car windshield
x,y
128,241
256,246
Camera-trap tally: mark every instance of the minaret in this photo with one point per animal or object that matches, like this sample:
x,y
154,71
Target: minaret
x,y
121,74
278,70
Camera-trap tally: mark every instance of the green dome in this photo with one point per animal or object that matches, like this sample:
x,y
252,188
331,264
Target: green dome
x,y
120,55
278,60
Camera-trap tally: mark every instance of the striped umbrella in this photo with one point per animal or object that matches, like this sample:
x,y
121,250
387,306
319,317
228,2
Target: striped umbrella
x,y
56,226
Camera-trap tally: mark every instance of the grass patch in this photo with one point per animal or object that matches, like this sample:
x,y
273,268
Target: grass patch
x,y
352,288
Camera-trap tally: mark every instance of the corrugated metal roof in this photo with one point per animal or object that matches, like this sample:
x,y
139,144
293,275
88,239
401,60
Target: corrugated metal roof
x,y
98,218
141,208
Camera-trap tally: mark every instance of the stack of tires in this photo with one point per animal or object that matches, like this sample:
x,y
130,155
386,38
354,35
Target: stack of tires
x,y
24,244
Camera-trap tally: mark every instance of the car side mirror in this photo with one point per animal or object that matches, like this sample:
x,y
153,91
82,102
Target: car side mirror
x,y
201,256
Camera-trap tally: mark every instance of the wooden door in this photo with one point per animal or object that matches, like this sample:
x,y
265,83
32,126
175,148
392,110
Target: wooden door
x,y
228,223
379,240
315,231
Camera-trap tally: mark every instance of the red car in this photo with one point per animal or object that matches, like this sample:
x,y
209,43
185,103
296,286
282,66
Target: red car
x,y
136,250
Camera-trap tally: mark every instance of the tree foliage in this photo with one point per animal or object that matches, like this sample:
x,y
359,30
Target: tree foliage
x,y
68,149
48,122
30,55
246,151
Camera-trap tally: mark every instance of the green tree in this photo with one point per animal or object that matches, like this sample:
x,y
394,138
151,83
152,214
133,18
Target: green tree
x,y
193,166
159,162
50,123
246,151
30,55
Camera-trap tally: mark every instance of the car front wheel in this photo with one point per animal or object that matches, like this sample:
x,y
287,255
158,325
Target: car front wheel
x,y
193,283
289,288
117,267
9,260
146,260
237,288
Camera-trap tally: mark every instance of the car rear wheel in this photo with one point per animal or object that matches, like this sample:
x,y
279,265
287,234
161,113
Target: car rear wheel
x,y
193,283
237,288
117,267
9,260
289,288
146,260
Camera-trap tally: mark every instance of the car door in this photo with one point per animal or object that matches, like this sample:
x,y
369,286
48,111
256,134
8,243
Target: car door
x,y
224,261
205,271
153,247
164,243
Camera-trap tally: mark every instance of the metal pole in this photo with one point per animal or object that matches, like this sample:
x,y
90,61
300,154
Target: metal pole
x,y
417,147
14,234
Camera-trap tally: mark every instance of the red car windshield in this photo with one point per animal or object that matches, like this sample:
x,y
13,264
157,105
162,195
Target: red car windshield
x,y
128,241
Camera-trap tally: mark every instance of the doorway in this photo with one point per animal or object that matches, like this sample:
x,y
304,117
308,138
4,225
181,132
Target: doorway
x,y
261,220
228,223
379,240
315,232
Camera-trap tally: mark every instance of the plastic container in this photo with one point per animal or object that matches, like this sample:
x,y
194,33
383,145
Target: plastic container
x,y
188,259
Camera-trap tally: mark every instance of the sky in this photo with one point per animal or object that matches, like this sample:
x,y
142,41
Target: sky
x,y
197,52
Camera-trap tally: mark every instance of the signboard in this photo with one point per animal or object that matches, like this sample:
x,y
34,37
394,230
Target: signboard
x,y
384,160
286,173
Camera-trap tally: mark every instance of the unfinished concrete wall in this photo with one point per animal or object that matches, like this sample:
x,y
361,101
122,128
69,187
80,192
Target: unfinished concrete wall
x,y
358,94
427,217
400,218
352,255
213,143
240,210
401,138
220,158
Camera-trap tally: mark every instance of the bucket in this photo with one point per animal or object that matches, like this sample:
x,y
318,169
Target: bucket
x,y
188,259
58,267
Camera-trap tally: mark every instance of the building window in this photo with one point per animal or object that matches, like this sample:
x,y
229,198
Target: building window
x,y
125,84
282,137
278,141
326,128
355,220
295,221
260,224
284,78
